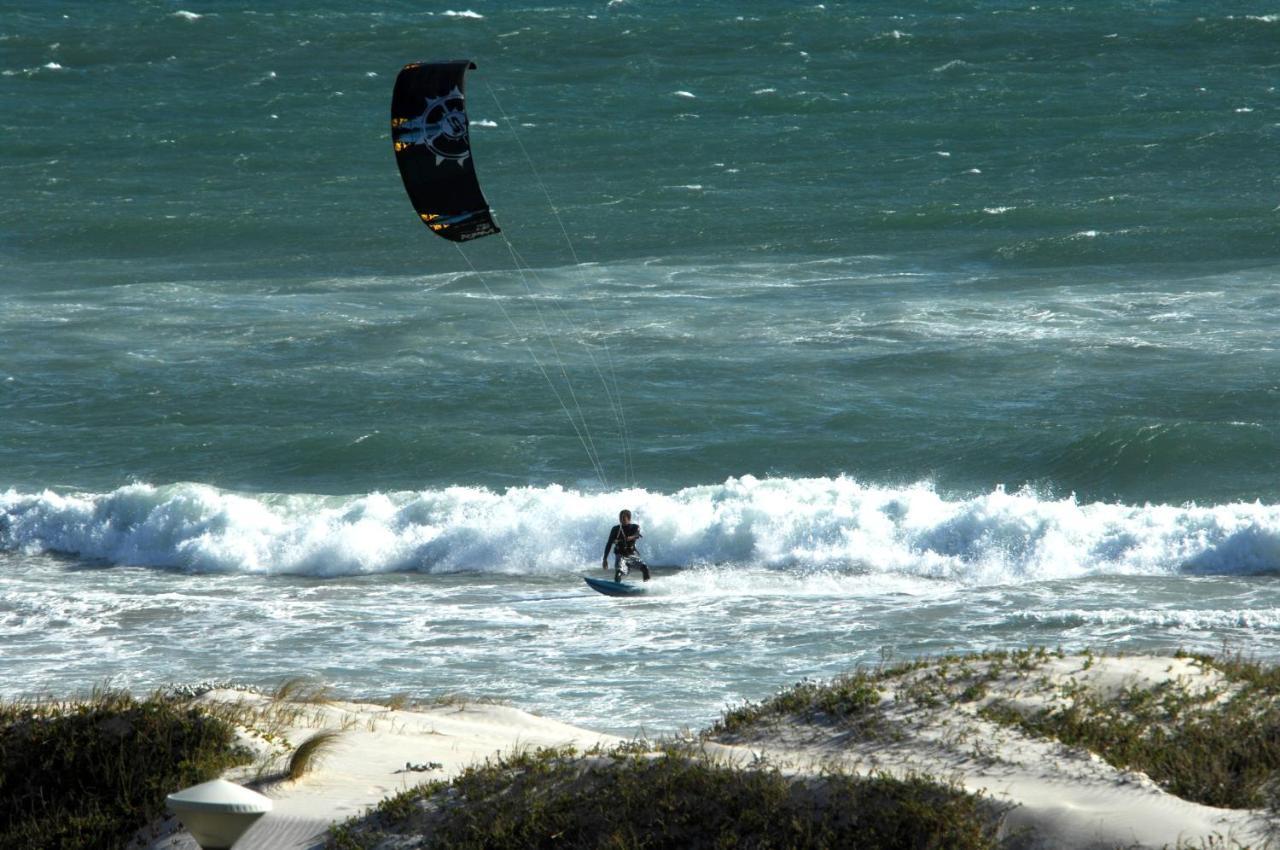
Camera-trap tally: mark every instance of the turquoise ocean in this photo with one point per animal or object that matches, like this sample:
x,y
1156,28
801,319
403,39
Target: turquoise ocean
x,y
902,328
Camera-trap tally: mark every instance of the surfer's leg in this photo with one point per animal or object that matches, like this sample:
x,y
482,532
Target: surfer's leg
x,y
633,562
619,567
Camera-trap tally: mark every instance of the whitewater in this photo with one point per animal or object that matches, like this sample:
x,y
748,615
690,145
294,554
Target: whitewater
x,y
790,526
477,591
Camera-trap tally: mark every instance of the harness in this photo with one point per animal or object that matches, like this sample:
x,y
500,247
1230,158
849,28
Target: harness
x,y
623,546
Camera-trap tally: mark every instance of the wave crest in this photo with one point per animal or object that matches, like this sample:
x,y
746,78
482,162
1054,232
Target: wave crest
x,y
801,525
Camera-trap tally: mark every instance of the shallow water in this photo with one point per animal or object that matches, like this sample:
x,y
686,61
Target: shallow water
x,y
700,640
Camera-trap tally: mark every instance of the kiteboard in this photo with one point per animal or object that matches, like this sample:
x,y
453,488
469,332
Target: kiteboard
x,y
613,588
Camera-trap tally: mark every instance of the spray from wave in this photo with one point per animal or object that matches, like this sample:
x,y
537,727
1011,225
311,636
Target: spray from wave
x,y
787,524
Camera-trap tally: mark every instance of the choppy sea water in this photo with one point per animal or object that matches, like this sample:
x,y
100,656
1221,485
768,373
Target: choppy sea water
x,y
901,332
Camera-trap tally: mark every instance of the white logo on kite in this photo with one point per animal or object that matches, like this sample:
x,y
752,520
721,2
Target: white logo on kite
x,y
441,128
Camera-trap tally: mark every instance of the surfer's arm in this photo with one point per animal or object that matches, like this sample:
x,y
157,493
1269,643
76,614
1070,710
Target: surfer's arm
x,y
613,536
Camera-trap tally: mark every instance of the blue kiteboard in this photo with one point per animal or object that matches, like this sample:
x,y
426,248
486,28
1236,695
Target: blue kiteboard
x,y
613,588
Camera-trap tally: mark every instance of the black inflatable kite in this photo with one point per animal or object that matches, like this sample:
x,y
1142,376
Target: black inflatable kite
x,y
433,149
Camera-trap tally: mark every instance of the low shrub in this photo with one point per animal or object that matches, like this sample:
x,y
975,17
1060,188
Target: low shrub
x,y
90,774
1218,749
675,799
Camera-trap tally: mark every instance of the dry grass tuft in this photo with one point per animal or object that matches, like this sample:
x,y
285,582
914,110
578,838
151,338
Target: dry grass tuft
x,y
300,689
310,752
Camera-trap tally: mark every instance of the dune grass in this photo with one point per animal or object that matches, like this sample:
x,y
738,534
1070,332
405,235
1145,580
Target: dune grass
x,y
300,689
310,752
88,774
677,798
856,701
850,700
1215,747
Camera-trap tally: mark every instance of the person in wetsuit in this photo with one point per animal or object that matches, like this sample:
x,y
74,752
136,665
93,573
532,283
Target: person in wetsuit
x,y
622,540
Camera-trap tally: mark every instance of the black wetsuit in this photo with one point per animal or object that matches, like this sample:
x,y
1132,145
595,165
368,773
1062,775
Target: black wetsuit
x,y
624,550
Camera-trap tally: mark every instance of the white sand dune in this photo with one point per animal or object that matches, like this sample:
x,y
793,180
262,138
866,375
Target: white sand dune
x,y
368,761
1060,797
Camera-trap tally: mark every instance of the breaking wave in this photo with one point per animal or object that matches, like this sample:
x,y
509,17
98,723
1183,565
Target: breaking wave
x,y
798,525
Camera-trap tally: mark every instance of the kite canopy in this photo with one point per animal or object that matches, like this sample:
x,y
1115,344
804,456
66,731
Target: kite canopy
x,y
433,149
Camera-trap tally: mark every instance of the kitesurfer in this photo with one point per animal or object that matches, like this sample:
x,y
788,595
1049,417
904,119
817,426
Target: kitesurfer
x,y
622,540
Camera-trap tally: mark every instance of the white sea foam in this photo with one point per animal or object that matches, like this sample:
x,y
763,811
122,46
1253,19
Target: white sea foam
x,y
1180,618
683,93
187,16
467,14
791,524
484,123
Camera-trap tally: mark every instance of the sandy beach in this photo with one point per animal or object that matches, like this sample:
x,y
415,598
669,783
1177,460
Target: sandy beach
x,y
379,752
1057,796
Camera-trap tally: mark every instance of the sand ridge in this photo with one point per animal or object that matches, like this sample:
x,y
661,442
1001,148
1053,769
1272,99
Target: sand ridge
x,y
1059,797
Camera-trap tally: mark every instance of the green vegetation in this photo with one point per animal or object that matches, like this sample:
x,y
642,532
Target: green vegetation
x,y
89,774
850,700
1216,747
677,798
855,701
